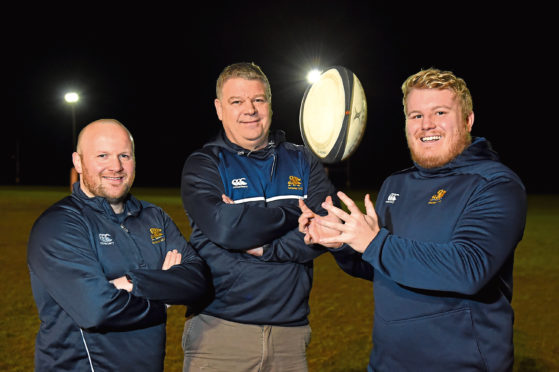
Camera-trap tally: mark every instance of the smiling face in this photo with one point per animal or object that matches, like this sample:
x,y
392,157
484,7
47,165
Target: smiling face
x,y
245,112
105,162
436,130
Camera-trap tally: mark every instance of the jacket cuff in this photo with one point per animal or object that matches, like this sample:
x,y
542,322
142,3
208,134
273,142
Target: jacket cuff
x,y
374,249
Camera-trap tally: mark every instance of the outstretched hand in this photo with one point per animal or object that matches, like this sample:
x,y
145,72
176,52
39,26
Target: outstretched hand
x,y
314,232
357,229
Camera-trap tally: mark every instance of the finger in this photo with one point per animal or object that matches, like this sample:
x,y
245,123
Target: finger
x,y
304,220
350,204
178,259
336,211
304,207
227,199
328,200
167,261
258,251
369,207
173,258
332,240
340,227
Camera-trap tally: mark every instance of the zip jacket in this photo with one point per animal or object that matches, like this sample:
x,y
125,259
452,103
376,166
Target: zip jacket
x,y
265,186
75,248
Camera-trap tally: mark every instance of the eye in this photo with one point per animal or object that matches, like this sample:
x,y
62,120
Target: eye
x,y
416,116
440,113
102,156
236,102
260,100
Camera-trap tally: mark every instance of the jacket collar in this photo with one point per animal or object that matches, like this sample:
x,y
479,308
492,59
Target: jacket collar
x,y
274,139
480,149
132,206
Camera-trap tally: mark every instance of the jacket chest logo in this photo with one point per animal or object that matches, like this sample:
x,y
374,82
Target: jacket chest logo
x,y
156,235
294,183
239,183
391,199
437,197
106,239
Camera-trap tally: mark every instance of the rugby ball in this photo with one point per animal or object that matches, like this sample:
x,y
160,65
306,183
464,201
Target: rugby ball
x,y
333,115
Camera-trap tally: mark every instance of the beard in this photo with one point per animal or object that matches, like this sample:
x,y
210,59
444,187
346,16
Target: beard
x,y
94,184
435,159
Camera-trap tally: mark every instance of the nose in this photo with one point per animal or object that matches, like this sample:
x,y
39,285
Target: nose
x,y
250,107
428,122
115,164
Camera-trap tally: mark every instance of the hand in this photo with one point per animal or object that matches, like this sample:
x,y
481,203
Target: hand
x,y
226,199
315,232
122,283
358,229
171,259
257,252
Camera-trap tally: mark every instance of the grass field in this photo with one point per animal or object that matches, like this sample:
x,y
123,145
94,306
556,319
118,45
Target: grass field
x,y
341,306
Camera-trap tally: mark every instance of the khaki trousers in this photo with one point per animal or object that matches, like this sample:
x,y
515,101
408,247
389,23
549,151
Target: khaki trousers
x,y
214,344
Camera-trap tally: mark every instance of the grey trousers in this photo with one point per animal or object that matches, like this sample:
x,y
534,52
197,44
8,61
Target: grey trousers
x,y
213,344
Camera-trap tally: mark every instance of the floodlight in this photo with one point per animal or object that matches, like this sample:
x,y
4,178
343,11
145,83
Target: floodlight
x,y
71,97
313,76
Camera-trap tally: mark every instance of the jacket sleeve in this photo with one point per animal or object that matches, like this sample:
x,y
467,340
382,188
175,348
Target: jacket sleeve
x,y
291,246
60,255
231,226
183,284
485,237
351,262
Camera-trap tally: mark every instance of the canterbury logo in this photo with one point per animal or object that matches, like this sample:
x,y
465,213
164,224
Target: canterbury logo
x,y
437,197
391,198
105,239
239,182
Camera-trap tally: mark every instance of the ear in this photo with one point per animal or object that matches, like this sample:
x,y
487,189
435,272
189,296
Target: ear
x,y
470,121
218,108
77,162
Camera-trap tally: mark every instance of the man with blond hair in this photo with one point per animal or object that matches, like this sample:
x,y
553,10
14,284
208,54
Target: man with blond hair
x,y
104,266
439,247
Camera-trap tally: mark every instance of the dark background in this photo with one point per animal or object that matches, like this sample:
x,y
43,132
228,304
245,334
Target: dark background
x,y
153,67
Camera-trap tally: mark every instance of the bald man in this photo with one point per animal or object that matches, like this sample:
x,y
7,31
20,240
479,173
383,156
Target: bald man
x,y
104,266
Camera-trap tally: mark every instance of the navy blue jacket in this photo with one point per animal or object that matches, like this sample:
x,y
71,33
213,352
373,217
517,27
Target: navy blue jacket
x,y
75,248
266,186
442,265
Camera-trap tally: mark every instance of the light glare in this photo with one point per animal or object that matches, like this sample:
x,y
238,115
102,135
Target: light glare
x,y
71,97
313,76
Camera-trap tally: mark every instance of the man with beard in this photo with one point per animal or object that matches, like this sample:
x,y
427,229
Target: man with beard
x,y
104,266
439,248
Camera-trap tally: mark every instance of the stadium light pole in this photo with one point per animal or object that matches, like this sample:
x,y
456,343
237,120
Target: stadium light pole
x,y
72,98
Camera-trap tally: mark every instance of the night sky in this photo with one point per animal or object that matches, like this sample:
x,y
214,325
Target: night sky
x,y
154,69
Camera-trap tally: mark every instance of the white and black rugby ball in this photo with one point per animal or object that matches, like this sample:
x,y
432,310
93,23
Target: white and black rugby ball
x,y
333,115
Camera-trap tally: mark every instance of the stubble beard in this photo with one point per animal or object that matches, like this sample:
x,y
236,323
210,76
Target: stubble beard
x,y
94,184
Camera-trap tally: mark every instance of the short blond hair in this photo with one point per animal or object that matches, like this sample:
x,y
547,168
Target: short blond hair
x,y
244,70
433,78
